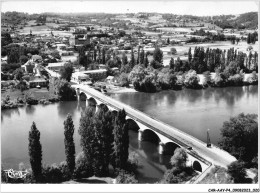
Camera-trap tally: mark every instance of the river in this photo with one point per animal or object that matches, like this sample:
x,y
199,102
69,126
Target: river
x,y
192,111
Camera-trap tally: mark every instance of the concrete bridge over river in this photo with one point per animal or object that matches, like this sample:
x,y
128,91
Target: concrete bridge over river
x,y
200,157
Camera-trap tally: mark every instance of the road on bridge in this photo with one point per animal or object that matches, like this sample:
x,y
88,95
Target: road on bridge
x,y
213,154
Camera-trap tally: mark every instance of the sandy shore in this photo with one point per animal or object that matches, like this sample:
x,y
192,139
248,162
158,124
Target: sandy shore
x,y
120,90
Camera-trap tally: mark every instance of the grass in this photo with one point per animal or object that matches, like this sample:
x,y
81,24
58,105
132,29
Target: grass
x,y
36,93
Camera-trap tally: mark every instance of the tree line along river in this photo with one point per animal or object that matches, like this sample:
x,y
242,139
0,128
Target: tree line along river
x,y
192,111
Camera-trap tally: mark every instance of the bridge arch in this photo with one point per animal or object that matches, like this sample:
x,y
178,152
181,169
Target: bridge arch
x,y
103,107
92,102
132,125
197,166
83,96
149,135
169,148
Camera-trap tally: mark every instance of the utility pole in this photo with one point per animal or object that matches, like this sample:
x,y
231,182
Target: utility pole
x,y
208,139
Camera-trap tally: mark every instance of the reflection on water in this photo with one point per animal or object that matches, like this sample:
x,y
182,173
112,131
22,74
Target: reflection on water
x,y
193,111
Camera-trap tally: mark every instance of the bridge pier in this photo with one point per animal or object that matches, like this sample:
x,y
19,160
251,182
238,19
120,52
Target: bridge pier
x,y
140,135
78,94
161,148
160,158
97,107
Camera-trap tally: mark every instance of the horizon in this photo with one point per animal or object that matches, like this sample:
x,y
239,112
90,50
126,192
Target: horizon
x,y
127,7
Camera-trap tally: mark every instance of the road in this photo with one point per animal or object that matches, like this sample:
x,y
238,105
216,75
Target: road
x,y
214,154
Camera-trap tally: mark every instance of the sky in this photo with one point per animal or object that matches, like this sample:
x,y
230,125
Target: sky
x,y
199,8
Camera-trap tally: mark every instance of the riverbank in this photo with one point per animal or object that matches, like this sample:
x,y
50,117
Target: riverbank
x,y
14,98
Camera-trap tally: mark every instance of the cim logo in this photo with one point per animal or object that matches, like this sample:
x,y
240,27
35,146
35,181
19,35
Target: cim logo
x,y
16,174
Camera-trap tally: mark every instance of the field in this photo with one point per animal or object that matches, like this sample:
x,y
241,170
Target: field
x,y
43,29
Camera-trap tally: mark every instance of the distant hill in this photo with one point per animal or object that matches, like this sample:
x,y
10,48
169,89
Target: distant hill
x,y
242,21
249,20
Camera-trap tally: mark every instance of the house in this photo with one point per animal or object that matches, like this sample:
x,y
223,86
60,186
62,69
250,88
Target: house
x,y
110,79
96,74
80,77
55,66
37,81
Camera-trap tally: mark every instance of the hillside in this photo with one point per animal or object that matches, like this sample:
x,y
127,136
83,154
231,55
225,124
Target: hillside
x,y
249,20
242,21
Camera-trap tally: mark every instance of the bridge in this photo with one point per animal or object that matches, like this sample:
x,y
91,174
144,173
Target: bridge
x,y
168,138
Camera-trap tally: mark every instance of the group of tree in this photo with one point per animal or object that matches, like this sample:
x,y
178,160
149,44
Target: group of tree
x,y
66,71
62,88
179,172
252,38
104,140
240,139
213,59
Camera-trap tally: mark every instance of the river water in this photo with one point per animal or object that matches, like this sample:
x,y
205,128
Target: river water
x,y
193,111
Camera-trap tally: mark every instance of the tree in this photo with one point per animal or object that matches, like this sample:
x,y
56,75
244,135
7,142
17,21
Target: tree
x,y
166,79
171,64
179,158
124,60
142,57
5,38
103,127
13,56
35,152
121,141
87,136
237,171
191,80
66,71
189,55
69,143
123,80
125,177
132,62
158,55
138,55
173,51
103,56
240,136
23,59
63,89
249,40
18,74
146,61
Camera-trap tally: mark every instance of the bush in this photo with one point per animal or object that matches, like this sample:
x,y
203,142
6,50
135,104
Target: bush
x,y
83,168
44,101
207,80
239,136
237,171
173,51
65,171
63,89
123,80
51,174
191,80
31,100
53,99
219,80
236,80
178,175
125,177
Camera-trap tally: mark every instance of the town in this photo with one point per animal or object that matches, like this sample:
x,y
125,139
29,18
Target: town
x,y
106,73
